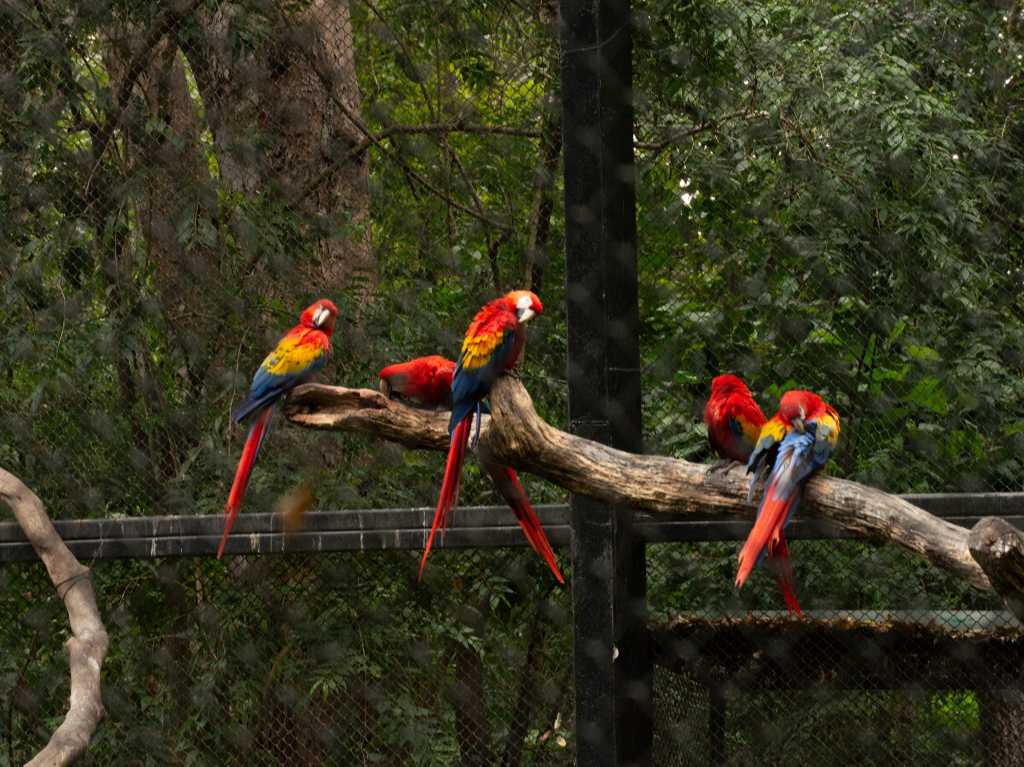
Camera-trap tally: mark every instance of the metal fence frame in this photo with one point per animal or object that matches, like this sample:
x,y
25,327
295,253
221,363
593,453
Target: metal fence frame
x,y
408,528
594,622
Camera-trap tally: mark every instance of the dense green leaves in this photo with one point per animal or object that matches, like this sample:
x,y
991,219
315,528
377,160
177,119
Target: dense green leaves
x,y
843,217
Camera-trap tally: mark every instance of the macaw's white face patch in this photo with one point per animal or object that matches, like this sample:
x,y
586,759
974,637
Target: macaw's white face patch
x,y
524,309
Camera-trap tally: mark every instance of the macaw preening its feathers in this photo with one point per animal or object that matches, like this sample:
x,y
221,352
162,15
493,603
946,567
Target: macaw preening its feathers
x,y
298,355
794,444
492,345
733,418
428,381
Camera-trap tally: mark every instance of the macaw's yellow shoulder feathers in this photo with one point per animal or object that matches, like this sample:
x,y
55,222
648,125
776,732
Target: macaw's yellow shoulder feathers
x,y
828,426
486,332
294,354
774,430
478,350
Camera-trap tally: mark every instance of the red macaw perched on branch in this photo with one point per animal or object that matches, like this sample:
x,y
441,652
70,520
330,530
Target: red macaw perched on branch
x,y
795,443
428,380
492,345
733,418
298,355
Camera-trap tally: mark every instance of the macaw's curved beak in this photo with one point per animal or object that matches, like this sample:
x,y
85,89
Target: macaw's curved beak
x,y
798,423
525,314
320,316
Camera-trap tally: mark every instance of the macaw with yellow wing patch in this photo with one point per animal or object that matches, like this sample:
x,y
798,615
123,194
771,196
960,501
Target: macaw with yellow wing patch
x,y
492,345
428,381
795,443
298,355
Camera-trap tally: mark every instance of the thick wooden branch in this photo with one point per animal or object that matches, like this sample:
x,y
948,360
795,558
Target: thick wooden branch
x,y
87,646
516,435
999,548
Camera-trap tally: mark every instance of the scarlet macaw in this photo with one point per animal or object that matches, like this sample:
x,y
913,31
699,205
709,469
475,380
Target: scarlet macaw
x,y
795,443
298,355
733,418
428,380
492,345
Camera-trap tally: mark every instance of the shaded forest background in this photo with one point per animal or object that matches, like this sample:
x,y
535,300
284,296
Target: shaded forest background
x,y
828,197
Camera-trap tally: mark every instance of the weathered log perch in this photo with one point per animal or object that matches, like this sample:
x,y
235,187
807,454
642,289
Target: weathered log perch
x,y
999,548
87,646
519,437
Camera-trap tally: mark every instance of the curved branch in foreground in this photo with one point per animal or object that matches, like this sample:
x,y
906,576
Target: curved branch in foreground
x,y
517,436
87,646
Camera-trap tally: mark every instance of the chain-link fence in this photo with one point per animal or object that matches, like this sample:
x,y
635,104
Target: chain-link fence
x,y
827,197
305,660
894,663
827,201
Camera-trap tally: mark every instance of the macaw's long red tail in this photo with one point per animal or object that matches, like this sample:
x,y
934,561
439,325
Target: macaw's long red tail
x,y
780,498
512,491
779,563
450,486
257,433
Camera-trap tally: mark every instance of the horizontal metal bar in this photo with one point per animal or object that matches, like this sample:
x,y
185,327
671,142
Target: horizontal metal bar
x,y
280,543
736,530
407,528
318,521
357,530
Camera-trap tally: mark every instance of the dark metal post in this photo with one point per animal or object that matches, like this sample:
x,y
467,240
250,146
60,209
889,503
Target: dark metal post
x,y
612,660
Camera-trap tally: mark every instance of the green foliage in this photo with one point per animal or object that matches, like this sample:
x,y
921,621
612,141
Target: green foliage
x,y
828,197
844,217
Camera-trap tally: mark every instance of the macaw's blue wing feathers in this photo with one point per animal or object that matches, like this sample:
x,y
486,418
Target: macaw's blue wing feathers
x,y
284,368
471,384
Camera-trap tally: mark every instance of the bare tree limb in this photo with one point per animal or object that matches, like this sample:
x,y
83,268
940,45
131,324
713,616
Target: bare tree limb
x,y
998,547
87,646
517,436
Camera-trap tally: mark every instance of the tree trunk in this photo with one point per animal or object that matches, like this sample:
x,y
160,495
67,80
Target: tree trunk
x,y
537,250
284,121
175,214
1002,727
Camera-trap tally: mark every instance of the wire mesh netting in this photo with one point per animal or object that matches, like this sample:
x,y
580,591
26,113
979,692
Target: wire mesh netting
x,y
826,201
828,197
895,663
180,179
305,660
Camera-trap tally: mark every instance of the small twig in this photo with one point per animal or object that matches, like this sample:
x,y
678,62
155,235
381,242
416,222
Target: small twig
x,y
675,136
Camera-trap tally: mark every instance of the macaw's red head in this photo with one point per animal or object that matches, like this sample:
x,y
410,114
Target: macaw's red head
x,y
724,385
525,304
320,316
798,406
